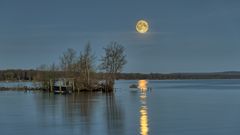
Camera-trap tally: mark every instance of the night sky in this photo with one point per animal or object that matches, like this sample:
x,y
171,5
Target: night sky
x,y
184,35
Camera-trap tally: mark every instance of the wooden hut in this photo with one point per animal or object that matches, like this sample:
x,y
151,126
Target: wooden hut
x,y
62,86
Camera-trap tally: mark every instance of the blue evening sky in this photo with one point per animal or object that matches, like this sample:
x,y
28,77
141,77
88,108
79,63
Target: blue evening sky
x,y
184,35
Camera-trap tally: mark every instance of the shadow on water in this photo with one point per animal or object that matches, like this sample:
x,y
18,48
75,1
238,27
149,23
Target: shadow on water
x,y
83,113
114,115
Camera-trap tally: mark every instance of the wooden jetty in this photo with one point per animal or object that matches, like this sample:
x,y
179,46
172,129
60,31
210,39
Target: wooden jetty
x,y
62,86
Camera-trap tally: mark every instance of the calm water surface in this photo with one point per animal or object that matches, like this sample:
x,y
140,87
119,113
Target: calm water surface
x,y
181,107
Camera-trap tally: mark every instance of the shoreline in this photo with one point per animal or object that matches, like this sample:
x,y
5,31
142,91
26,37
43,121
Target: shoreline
x,y
20,89
24,81
27,88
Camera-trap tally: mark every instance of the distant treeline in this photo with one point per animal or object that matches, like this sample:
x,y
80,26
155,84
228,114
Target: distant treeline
x,y
173,76
35,75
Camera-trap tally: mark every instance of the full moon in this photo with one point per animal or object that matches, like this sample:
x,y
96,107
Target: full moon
x,y
142,26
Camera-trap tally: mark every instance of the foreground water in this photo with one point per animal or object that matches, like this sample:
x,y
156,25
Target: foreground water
x,y
181,107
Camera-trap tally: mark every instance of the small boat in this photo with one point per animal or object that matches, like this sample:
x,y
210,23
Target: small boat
x,y
133,86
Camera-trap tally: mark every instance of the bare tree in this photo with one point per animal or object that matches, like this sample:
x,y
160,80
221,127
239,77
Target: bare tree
x,y
86,65
54,67
112,63
52,71
88,62
43,76
68,60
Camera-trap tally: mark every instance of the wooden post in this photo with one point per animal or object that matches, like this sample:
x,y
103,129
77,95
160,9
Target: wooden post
x,y
65,83
60,87
51,86
73,88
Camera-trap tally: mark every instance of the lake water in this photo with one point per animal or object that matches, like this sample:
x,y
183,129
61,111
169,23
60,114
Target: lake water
x,y
171,107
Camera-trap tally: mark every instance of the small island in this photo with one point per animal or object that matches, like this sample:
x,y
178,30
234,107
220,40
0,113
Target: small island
x,y
74,73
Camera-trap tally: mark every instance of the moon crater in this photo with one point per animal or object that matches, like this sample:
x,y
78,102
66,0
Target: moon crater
x,y
142,26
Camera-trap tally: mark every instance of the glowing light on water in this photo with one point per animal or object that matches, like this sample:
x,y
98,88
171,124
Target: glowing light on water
x,y
142,85
143,121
